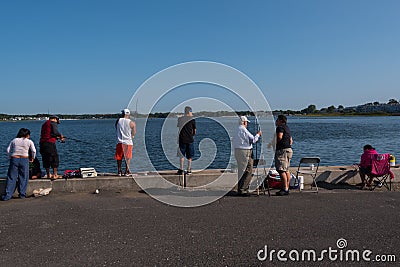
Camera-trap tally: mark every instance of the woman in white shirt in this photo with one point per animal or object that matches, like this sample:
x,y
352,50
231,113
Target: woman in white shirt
x,y
18,170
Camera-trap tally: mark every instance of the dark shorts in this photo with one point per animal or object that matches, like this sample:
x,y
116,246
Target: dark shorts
x,y
186,149
49,155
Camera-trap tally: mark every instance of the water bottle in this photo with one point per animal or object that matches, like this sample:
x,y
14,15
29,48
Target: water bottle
x,y
301,180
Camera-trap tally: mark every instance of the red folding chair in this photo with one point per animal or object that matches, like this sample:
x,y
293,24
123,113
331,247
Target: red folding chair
x,y
380,172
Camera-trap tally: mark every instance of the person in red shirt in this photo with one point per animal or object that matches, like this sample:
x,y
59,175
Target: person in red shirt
x,y
365,165
48,138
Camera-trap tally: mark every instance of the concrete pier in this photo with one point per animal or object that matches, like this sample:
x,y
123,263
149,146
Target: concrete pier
x,y
330,176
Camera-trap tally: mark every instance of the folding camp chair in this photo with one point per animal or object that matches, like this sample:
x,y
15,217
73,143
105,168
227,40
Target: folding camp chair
x,y
261,175
308,166
380,172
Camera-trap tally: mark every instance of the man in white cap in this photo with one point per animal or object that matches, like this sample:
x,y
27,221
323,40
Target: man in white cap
x,y
243,144
126,130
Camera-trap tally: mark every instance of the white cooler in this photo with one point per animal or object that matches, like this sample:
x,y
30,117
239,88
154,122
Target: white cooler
x,y
88,172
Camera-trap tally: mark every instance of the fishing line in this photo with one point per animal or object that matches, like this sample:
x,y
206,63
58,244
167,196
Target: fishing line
x,y
77,140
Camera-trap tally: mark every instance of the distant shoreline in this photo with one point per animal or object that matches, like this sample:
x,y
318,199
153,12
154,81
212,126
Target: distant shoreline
x,y
391,108
349,115
198,115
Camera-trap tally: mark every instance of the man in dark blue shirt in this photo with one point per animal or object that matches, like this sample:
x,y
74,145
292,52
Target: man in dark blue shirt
x,y
187,130
283,153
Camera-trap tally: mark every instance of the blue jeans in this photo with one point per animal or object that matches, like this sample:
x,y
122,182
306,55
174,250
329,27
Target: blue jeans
x,y
18,171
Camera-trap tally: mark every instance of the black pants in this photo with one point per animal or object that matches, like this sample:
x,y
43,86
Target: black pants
x,y
49,155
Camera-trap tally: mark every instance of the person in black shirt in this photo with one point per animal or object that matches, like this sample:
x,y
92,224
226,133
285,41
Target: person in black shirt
x,y
187,130
283,153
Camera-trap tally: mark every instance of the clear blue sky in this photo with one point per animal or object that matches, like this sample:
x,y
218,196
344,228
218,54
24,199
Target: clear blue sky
x,y
80,56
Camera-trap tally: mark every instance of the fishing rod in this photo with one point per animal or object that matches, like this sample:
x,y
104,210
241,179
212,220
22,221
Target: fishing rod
x,y
257,129
136,112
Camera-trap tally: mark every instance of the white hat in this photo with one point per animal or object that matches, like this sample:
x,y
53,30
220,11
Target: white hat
x,y
126,111
243,119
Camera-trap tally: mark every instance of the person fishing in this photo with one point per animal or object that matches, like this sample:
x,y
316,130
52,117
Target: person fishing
x,y
126,130
48,149
187,131
243,142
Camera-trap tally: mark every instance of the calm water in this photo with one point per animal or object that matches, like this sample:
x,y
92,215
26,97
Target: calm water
x,y
336,140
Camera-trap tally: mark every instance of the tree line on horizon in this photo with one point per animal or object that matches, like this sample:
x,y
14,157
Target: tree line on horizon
x,y
310,110
118,115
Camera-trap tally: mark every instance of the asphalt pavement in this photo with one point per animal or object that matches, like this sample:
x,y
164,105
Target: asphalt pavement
x,y
131,229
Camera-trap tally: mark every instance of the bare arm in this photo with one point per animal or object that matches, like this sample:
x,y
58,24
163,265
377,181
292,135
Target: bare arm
x,y
133,128
33,150
279,136
272,144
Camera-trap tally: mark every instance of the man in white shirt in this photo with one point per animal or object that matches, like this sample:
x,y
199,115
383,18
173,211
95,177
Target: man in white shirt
x,y
126,130
243,144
